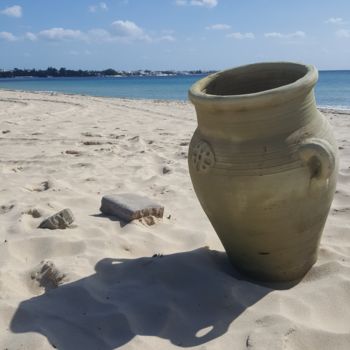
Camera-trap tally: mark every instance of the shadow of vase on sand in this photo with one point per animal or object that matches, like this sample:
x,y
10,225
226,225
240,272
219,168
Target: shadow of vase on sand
x,y
188,298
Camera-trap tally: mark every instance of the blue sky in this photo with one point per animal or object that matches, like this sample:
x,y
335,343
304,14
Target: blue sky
x,y
173,34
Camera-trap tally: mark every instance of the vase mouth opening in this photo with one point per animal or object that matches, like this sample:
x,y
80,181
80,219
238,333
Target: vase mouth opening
x,y
255,81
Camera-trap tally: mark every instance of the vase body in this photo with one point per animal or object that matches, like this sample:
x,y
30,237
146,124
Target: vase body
x,y
263,164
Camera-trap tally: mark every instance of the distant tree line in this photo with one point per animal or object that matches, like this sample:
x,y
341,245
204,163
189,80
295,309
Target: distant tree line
x,y
63,72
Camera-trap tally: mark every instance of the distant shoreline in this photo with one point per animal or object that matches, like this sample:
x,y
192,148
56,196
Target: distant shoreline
x,y
107,76
70,73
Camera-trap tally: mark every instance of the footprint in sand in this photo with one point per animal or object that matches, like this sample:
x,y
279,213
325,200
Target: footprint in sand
x,y
182,155
341,210
102,149
73,152
114,136
82,165
35,213
166,170
88,179
89,134
44,186
17,169
6,208
92,143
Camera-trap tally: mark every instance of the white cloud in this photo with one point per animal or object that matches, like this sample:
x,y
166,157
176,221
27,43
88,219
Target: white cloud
x,y
129,31
7,36
343,33
169,38
59,34
127,28
335,20
31,36
13,11
241,36
203,3
121,31
100,35
125,31
101,6
219,26
297,34
274,35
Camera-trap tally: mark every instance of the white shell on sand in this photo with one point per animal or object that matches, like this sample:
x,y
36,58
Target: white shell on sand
x,y
161,287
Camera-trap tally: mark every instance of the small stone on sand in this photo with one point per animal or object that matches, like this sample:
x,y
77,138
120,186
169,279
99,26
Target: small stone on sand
x,y
35,213
129,206
60,220
166,170
47,275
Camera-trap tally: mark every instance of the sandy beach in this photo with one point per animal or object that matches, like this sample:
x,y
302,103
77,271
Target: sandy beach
x,y
136,286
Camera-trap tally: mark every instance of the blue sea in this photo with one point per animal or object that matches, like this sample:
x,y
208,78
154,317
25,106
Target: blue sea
x,y
332,90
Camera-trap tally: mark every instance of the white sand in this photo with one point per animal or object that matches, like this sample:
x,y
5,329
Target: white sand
x,y
115,295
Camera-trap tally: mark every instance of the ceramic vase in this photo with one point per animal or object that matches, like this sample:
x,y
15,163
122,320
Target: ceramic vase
x,y
263,163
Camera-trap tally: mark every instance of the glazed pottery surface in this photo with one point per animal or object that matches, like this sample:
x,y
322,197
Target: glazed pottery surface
x,y
263,164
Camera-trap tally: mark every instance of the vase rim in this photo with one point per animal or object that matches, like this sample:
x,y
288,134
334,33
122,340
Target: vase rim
x,y
300,85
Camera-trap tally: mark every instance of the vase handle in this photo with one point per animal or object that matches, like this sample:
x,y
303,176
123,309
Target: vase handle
x,y
317,154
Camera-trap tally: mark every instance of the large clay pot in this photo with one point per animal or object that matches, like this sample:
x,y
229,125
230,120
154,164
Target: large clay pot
x,y
263,164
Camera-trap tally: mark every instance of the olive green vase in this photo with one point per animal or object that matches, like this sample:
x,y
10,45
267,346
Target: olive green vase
x,y
263,164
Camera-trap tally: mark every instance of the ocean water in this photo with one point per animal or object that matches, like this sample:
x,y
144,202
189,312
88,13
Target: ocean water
x,y
332,89
159,88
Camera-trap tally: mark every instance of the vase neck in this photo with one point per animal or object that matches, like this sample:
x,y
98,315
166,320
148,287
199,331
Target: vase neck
x,y
249,123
